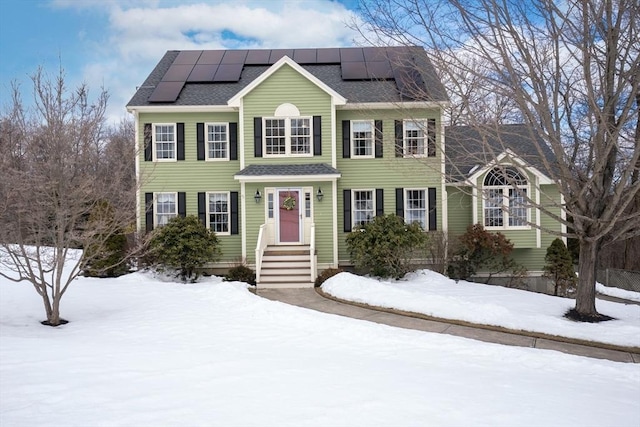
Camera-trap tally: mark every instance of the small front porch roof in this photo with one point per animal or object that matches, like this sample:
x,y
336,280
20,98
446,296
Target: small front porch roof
x,y
288,172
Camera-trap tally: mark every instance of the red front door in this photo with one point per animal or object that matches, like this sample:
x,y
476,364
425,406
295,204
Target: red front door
x,y
289,213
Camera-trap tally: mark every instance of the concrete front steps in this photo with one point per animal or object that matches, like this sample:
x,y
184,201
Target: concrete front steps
x,y
286,267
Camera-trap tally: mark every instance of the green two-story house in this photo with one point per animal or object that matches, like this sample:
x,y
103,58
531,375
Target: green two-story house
x,y
282,152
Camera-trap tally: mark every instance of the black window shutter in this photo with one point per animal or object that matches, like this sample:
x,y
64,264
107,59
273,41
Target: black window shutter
x,y
400,202
257,136
180,140
200,140
148,206
233,141
379,202
399,138
431,137
433,219
148,143
378,148
182,204
346,139
346,195
317,135
202,208
234,212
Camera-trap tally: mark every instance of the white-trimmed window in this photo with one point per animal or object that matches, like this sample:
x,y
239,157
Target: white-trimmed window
x,y
217,135
218,217
289,136
362,138
505,199
164,141
415,206
165,207
419,138
363,206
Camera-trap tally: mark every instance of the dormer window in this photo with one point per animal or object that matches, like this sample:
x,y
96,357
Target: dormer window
x,y
505,195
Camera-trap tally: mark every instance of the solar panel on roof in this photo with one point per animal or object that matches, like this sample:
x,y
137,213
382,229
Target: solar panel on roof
x,y
210,57
379,70
304,56
328,55
228,73
166,92
234,57
353,71
258,57
276,54
187,57
351,54
202,73
177,73
409,82
374,54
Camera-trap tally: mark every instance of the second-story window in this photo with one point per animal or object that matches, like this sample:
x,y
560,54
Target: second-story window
x,y
419,138
287,136
362,138
217,141
164,142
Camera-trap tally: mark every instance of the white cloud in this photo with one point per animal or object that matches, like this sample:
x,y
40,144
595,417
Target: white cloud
x,y
137,37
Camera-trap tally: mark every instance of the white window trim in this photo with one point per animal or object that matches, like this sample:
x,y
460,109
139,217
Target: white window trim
x,y
206,142
354,224
208,212
505,206
373,140
175,142
155,205
424,125
425,226
287,136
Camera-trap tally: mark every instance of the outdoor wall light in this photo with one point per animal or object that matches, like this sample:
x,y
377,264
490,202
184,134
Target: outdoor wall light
x,y
258,196
319,194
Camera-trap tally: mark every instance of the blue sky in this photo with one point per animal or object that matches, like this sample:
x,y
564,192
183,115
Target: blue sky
x,y
116,43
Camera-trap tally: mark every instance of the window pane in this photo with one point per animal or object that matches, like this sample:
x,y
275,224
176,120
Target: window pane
x,y
414,138
362,138
166,208
362,207
218,212
517,207
275,140
300,136
217,141
416,207
270,204
165,142
493,215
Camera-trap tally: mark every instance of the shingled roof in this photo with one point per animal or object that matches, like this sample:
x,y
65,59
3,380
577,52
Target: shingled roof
x,y
468,148
361,75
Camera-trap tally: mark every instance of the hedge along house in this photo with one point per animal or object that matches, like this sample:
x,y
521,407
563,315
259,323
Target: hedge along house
x,y
283,152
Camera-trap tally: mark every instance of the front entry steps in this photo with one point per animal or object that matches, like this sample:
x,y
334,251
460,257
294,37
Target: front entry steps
x,y
286,266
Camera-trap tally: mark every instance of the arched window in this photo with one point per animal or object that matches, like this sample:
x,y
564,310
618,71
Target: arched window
x,y
505,196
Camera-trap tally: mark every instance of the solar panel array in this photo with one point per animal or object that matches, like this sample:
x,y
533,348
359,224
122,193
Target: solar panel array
x,y
225,66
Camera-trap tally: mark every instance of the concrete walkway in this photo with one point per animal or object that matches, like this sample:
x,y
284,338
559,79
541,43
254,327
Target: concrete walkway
x,y
309,298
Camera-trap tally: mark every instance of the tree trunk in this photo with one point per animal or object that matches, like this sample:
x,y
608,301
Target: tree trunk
x,y
586,292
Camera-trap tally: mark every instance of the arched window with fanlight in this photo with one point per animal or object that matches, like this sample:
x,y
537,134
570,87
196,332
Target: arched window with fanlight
x,y
505,198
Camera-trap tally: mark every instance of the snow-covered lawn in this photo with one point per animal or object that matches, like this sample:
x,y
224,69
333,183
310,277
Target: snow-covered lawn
x,y
435,295
142,352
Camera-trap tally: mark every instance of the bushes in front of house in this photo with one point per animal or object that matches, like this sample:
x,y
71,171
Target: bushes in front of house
x,y
184,244
241,273
386,246
106,254
477,249
559,268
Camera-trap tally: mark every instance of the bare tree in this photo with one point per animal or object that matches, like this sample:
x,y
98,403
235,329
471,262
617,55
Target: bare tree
x,y
53,178
570,70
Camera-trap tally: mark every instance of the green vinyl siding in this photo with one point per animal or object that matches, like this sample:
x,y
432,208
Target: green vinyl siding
x,y
286,85
459,210
190,175
389,172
